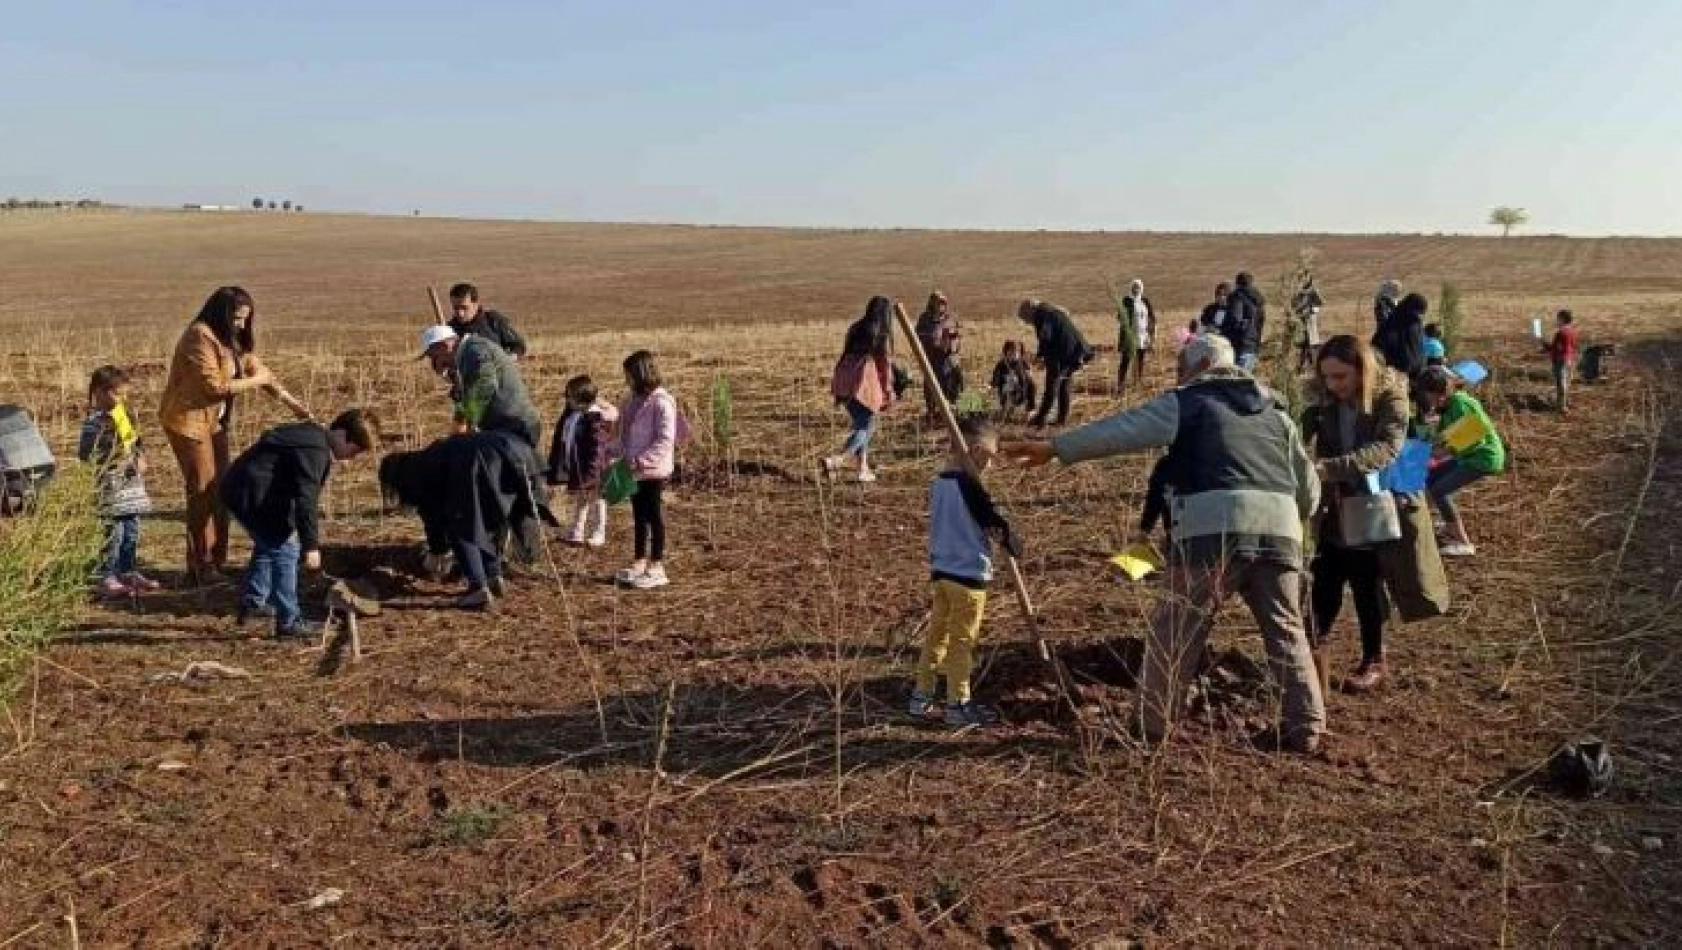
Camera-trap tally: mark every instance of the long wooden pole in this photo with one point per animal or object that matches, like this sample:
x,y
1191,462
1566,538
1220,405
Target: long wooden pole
x,y
437,307
962,452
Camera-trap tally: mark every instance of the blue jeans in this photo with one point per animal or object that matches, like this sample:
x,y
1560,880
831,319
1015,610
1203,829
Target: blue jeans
x,y
864,425
120,545
1442,484
479,565
272,579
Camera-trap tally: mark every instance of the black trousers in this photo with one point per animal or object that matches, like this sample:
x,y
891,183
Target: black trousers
x,y
1057,379
1334,569
649,519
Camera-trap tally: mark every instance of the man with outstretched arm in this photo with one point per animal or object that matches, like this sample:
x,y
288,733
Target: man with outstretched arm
x,y
1239,501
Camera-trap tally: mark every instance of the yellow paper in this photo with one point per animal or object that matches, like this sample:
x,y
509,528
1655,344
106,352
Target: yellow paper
x,y
1466,432
1137,561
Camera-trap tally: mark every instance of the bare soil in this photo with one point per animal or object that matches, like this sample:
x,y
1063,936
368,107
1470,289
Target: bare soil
x,y
722,763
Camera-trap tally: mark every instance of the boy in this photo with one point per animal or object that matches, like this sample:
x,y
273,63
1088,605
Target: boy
x,y
961,515
110,444
1436,354
274,489
1013,384
1563,349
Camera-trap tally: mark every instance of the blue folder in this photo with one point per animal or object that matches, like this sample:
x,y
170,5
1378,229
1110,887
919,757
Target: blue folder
x,y
1410,469
1471,372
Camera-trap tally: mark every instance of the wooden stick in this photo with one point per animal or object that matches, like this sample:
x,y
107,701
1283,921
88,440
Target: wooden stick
x,y
962,452
437,308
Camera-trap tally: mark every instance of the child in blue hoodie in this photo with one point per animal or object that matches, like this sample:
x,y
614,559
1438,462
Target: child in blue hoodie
x,y
961,519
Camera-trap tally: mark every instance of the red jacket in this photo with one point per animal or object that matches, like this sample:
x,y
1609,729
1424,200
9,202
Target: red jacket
x,y
1564,346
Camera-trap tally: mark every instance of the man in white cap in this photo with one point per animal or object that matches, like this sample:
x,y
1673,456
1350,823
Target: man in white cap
x,y
1242,485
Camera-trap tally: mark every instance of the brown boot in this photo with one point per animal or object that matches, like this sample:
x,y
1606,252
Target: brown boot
x,y
1368,677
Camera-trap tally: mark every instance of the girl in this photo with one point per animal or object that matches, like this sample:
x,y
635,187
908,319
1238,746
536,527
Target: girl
x,y
648,443
863,383
1440,392
1356,422
214,363
578,457
110,444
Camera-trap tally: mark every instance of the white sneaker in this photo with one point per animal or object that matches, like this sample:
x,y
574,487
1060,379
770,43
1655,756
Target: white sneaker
x,y
650,579
866,475
597,540
627,575
1458,550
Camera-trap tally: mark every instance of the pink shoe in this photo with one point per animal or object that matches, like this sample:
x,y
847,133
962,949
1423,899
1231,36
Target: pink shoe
x,y
113,586
140,583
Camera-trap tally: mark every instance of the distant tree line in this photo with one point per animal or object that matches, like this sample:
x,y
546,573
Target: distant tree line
x,y
258,204
36,204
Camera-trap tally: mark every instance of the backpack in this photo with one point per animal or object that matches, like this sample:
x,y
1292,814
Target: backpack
x,y
26,463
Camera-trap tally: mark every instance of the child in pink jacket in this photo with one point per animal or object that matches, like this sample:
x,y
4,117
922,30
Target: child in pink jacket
x,y
648,437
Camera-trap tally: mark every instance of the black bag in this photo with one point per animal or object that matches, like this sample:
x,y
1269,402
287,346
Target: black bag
x,y
1582,768
26,463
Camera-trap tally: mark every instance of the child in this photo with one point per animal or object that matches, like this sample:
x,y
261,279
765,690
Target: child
x,y
1013,383
111,445
274,490
960,517
1435,353
1440,392
648,443
1563,349
1156,499
578,459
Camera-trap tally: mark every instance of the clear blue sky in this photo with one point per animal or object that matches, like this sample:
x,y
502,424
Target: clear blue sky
x,y
1209,115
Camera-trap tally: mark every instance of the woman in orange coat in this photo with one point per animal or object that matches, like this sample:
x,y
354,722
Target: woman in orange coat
x,y
213,364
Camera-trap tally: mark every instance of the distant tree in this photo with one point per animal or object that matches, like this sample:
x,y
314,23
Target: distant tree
x,y
271,206
286,205
1507,218
256,204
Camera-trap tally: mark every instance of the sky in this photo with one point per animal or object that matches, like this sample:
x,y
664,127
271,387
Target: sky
x,y
1211,115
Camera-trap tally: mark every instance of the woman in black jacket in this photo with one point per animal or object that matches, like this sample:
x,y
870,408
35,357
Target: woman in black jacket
x,y
1063,351
1401,338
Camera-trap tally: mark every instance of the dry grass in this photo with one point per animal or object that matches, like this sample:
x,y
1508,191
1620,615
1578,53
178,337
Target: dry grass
x,y
719,764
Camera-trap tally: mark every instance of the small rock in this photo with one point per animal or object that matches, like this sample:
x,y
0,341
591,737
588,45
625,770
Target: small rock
x,y
71,790
1479,843
627,857
326,898
1652,843
1603,850
171,765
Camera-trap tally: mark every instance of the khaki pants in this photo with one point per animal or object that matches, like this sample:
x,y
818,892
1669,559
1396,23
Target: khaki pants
x,y
1180,629
203,462
949,646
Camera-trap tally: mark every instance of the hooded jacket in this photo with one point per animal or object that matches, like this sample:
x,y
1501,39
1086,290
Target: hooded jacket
x,y
466,488
1242,485
274,487
491,394
1246,318
1401,337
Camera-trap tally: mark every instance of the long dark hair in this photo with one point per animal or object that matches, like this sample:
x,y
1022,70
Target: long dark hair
x,y
641,372
871,334
218,314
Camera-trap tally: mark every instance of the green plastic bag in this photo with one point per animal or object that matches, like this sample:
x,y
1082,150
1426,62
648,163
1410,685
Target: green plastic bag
x,y
618,484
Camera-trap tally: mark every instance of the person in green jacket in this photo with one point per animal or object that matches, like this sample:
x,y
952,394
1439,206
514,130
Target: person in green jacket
x,y
1440,392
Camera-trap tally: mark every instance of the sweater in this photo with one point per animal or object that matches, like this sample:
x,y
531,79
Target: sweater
x,y
1489,455
491,395
648,430
1563,347
274,487
960,515
1242,485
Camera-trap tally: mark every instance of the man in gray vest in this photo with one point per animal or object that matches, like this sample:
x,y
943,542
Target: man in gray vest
x,y
1242,486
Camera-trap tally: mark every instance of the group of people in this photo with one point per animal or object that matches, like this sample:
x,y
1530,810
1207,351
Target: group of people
x,y
1238,480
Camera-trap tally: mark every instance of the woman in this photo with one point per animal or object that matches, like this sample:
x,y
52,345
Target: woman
x,y
214,363
469,490
1439,391
1062,350
1356,421
1401,338
1384,303
937,331
1138,326
863,383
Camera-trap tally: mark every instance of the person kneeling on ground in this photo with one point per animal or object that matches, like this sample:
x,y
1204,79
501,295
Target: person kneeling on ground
x,y
468,489
1440,391
1242,486
274,491
1013,382
961,516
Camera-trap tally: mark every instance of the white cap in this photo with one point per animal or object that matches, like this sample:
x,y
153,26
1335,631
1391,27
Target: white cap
x,y
434,335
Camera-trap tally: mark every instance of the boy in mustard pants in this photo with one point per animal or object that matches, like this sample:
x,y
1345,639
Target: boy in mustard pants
x,y
961,518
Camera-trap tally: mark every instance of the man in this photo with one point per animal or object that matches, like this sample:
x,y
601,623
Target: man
x,y
1242,486
274,490
1062,350
470,317
1248,314
490,396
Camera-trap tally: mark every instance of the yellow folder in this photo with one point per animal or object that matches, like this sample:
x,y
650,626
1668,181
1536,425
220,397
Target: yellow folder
x,y
1137,560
